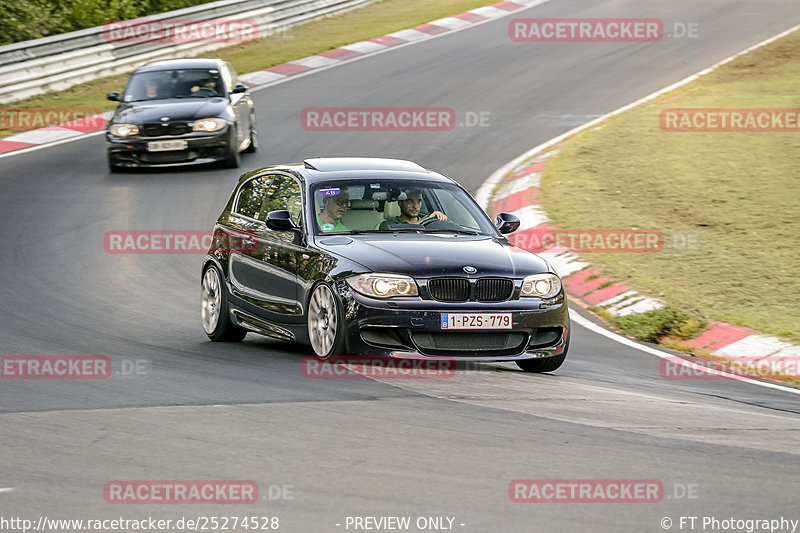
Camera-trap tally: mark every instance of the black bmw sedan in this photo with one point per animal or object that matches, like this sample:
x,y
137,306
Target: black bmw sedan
x,y
181,111
378,257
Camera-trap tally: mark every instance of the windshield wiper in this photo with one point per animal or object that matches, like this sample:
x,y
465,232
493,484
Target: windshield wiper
x,y
461,231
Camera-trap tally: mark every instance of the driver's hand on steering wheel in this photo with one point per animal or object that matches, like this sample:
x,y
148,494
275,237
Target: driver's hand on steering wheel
x,y
436,214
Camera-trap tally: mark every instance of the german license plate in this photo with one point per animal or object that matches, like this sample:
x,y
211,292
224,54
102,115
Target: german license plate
x,y
476,320
166,146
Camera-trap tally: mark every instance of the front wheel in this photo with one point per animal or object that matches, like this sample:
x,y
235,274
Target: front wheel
x,y
325,323
233,159
253,146
214,309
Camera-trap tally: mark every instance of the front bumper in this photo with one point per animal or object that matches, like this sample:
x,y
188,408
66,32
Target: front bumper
x,y
201,148
410,328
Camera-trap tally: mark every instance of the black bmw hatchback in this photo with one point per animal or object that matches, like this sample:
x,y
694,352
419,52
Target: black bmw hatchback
x,y
181,111
378,257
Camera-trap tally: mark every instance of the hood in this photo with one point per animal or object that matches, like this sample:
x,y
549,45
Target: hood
x,y
177,109
435,255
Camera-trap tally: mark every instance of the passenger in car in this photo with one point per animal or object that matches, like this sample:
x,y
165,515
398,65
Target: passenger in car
x,y
333,209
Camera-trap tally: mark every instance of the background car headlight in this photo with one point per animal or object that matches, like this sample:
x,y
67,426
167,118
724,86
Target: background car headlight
x,y
208,124
541,285
124,130
383,285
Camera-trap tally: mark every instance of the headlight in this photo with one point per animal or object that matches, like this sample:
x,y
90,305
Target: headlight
x,y
123,130
383,285
208,124
541,285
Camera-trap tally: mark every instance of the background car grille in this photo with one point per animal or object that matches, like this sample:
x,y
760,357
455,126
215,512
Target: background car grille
x,y
493,289
449,289
457,289
470,342
172,128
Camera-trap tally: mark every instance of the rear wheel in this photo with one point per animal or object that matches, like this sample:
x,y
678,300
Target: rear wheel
x,y
214,309
546,364
325,324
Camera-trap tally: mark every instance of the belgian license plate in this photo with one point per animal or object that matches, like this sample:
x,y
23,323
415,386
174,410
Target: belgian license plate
x,y
166,146
476,320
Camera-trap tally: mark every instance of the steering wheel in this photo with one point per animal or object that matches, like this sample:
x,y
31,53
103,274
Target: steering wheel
x,y
429,221
205,91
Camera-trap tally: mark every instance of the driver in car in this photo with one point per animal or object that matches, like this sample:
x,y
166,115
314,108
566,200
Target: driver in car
x,y
208,87
410,203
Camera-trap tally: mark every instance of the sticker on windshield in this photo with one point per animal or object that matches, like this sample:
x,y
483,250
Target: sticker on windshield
x,y
333,191
327,227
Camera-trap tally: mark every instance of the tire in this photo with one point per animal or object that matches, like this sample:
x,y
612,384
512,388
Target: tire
x,y
325,322
114,169
546,364
253,143
234,158
214,309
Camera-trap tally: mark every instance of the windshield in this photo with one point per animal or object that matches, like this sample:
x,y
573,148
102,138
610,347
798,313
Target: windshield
x,y
388,206
179,83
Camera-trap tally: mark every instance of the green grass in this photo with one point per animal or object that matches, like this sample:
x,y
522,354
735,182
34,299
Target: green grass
x,y
740,191
304,40
655,325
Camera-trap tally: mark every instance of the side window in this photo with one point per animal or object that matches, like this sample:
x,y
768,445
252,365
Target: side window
x,y
283,193
251,197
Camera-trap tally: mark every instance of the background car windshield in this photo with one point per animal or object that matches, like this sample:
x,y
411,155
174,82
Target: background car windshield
x,y
179,83
382,205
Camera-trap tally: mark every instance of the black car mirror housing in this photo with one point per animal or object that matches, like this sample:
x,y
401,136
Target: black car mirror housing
x,y
239,88
113,96
507,223
281,220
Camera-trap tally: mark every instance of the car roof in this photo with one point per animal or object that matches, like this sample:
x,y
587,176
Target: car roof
x,y
170,64
333,168
333,164
318,170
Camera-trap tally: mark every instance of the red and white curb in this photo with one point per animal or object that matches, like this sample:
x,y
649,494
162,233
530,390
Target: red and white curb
x,y
514,188
280,73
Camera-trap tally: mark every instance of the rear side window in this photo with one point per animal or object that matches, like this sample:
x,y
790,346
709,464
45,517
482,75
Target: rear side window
x,y
283,193
252,196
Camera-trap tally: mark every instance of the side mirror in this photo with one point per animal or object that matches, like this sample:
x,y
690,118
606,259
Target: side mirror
x,y
507,223
281,221
113,96
239,88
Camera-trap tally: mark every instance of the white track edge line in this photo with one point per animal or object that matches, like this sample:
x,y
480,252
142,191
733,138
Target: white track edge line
x,y
588,324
